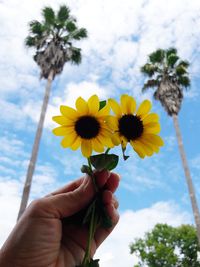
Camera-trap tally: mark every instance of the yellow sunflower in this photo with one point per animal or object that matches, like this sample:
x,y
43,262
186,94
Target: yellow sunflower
x,y
84,127
139,128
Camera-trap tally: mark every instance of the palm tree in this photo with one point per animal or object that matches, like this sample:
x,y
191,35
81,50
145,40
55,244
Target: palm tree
x,y
52,38
168,74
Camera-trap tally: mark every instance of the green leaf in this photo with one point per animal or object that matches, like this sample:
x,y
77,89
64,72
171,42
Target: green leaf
x,y
172,59
180,70
30,41
87,216
157,56
171,51
184,81
102,104
70,26
150,84
76,55
80,34
63,13
104,161
149,69
49,15
94,263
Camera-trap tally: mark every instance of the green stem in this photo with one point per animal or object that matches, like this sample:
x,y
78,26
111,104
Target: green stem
x,y
107,150
92,175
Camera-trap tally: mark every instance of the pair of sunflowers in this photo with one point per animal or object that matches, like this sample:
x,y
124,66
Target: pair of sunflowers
x,y
93,128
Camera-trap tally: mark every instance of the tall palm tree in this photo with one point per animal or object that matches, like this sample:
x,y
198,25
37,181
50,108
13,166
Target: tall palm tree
x,y
168,75
52,38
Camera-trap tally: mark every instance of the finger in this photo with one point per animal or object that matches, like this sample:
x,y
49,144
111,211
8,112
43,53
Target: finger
x,y
113,182
66,204
99,177
69,187
102,233
109,198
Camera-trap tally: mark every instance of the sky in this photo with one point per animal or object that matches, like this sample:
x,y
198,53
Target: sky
x,y
121,34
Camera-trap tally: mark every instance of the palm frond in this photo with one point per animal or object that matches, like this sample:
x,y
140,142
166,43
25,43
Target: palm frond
x,y
80,34
36,27
171,51
49,15
184,81
180,70
149,69
76,55
70,26
172,59
157,56
30,41
63,13
184,63
150,84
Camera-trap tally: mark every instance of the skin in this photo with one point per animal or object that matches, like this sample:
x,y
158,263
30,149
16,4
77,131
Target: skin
x,y
42,238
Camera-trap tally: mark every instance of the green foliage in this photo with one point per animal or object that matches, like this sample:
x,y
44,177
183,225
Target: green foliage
x,y
79,34
36,27
165,65
76,55
150,83
167,246
104,161
102,104
49,15
70,26
157,56
171,51
53,40
172,59
184,81
149,69
63,13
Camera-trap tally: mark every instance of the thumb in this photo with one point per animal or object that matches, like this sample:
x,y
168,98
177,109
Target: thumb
x,y
66,204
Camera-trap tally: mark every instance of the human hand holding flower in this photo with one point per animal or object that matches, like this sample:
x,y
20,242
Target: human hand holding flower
x,y
45,237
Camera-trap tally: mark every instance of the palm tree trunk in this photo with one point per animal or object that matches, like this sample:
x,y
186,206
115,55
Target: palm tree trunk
x,y
188,177
33,159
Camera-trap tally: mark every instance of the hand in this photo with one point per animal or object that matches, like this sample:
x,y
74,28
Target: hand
x,y
42,238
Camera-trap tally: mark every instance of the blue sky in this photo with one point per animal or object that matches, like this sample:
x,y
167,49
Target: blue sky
x,y
121,35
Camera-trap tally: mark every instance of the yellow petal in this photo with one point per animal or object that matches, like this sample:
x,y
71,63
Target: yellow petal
x,y
144,108
82,106
97,145
105,140
115,107
154,139
152,128
62,120
68,140
112,123
104,111
128,104
68,112
115,139
138,149
152,117
93,104
76,143
148,149
63,130
86,148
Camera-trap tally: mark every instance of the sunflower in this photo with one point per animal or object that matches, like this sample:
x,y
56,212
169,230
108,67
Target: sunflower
x,y
139,128
84,127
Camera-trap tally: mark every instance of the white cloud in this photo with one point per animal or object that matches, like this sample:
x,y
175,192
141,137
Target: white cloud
x,y
133,224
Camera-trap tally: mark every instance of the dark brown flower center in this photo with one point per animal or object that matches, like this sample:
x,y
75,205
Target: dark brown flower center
x,y
87,127
131,127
